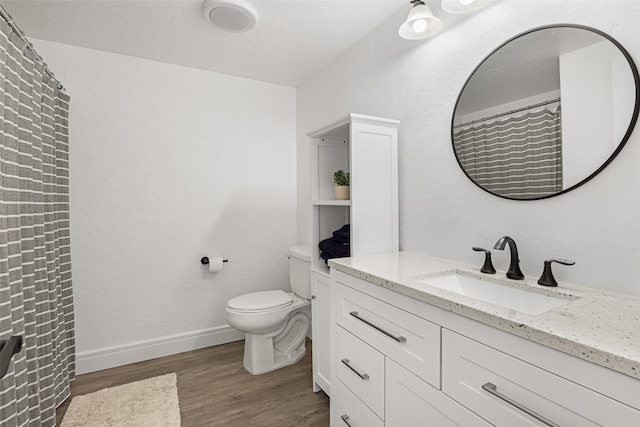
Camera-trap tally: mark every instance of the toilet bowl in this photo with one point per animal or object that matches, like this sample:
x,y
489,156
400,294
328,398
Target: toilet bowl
x,y
275,322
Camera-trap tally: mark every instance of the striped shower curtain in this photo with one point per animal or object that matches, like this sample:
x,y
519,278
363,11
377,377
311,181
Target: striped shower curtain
x,y
519,157
35,267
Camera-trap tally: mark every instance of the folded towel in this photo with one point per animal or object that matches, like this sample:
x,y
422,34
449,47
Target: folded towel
x,y
336,246
343,234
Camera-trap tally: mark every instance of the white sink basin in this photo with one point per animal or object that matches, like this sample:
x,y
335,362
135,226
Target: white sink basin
x,y
484,289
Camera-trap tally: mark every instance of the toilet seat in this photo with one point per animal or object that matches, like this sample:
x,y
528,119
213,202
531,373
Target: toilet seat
x,y
261,301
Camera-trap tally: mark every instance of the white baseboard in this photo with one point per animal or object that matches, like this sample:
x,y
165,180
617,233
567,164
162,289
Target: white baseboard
x,y
112,357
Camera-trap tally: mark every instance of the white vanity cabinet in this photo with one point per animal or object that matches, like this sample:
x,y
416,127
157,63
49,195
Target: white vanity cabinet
x,y
367,148
443,369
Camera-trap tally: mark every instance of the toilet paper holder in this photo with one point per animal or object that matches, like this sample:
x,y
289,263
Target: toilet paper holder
x,y
205,260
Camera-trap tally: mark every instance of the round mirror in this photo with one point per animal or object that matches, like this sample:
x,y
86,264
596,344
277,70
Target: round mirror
x,y
545,112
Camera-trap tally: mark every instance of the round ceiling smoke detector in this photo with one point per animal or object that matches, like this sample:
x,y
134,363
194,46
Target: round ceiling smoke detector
x,y
234,16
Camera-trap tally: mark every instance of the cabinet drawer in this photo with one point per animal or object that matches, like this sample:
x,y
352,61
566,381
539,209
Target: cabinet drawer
x,y
347,410
467,366
361,368
411,402
408,339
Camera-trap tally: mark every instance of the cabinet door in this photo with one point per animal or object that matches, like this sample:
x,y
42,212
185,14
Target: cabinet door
x,y
374,188
321,326
412,402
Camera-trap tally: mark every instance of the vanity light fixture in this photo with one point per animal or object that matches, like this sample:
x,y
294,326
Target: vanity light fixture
x,y
462,6
233,16
420,23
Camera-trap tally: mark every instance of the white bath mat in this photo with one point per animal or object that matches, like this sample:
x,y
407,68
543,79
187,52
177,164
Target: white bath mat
x,y
152,402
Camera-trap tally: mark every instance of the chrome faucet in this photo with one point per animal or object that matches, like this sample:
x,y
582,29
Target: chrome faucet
x,y
514,266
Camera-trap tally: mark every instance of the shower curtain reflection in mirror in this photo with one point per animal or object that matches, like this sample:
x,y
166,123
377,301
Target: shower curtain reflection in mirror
x,y
518,157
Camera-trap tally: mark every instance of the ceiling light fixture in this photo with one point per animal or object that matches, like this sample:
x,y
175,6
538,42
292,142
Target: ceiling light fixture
x,y
462,6
233,16
420,23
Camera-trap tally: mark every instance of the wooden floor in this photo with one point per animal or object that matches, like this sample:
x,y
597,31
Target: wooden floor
x,y
215,390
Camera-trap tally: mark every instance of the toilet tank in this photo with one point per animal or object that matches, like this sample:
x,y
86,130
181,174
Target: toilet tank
x,y
300,270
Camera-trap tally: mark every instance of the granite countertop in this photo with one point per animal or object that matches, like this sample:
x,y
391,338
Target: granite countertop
x,y
600,327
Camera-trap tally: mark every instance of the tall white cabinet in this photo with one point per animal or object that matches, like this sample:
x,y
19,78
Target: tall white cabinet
x,y
367,148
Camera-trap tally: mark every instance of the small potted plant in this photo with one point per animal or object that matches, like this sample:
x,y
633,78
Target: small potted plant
x,y
341,190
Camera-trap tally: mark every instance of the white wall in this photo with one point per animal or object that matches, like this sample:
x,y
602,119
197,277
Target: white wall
x,y
593,67
442,213
169,164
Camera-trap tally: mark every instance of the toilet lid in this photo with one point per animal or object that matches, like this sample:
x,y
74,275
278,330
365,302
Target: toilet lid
x,y
264,300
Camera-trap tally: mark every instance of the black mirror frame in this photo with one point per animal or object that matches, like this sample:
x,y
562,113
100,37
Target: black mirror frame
x,y
625,138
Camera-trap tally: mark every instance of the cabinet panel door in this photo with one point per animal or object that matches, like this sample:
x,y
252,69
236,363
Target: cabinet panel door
x,y
321,326
374,188
467,366
411,402
348,411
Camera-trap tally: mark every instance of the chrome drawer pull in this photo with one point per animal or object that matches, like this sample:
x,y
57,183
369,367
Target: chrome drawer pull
x,y
362,376
345,418
399,339
493,389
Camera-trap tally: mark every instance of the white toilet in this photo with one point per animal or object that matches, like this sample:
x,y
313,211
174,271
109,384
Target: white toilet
x,y
275,322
